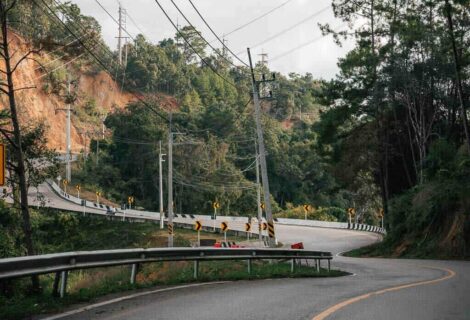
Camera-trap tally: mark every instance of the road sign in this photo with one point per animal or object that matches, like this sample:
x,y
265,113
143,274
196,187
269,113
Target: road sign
x,y
77,187
65,182
224,226
352,212
198,225
265,226
263,206
381,213
2,165
271,229
306,207
247,227
170,229
216,205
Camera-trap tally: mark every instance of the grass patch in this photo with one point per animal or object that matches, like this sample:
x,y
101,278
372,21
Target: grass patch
x,y
88,285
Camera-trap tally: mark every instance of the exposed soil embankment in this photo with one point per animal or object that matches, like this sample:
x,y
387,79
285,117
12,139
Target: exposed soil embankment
x,y
36,105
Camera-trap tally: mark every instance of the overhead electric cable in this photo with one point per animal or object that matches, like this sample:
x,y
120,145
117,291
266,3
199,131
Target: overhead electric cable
x,y
114,19
191,46
215,34
100,62
134,23
200,35
257,18
289,28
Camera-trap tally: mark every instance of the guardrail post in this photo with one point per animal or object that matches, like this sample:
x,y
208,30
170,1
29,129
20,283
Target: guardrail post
x,y
63,283
318,264
55,286
292,266
329,265
249,266
196,269
134,272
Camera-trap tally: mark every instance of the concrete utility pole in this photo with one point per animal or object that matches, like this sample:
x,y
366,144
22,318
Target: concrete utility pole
x,y
258,197
68,144
262,157
160,181
170,187
119,48
264,58
122,24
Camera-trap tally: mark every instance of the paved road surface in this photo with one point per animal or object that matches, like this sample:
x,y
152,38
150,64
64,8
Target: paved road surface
x,y
439,294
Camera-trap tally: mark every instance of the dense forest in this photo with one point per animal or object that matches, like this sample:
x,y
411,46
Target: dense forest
x,y
389,132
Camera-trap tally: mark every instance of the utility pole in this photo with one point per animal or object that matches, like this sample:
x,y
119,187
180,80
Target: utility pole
x,y
170,187
262,155
224,50
68,145
122,23
120,36
264,58
258,198
160,165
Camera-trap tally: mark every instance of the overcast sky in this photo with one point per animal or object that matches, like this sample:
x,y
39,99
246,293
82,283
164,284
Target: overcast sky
x,y
318,58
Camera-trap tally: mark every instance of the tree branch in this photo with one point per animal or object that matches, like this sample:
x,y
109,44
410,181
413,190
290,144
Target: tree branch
x,y
4,133
25,57
25,88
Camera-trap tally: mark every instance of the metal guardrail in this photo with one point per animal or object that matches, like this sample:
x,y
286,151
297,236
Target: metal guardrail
x,y
62,263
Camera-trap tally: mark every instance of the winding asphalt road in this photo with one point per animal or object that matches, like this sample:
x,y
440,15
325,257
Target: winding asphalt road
x,y
378,289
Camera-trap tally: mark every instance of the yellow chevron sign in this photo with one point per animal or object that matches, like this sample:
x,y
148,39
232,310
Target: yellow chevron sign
x,y
265,226
224,226
247,227
351,212
198,225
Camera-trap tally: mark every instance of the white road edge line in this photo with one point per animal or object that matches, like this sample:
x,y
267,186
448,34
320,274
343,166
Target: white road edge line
x,y
132,296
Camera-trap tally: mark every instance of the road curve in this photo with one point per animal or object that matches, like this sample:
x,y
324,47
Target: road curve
x,y
379,289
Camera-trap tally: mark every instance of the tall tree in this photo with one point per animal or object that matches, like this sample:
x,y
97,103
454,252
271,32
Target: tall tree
x,y
14,137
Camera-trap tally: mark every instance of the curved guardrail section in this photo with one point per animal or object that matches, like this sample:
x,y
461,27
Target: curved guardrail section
x,y
61,263
185,219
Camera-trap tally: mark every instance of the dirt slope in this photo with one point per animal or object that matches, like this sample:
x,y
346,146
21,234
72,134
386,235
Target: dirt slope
x,y
35,105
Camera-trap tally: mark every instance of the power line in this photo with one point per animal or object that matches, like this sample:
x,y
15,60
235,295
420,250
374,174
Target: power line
x,y
100,62
257,18
301,46
200,35
215,34
134,23
114,19
289,28
191,46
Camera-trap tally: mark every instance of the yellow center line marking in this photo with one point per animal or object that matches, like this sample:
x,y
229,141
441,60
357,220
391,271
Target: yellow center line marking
x,y
326,313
